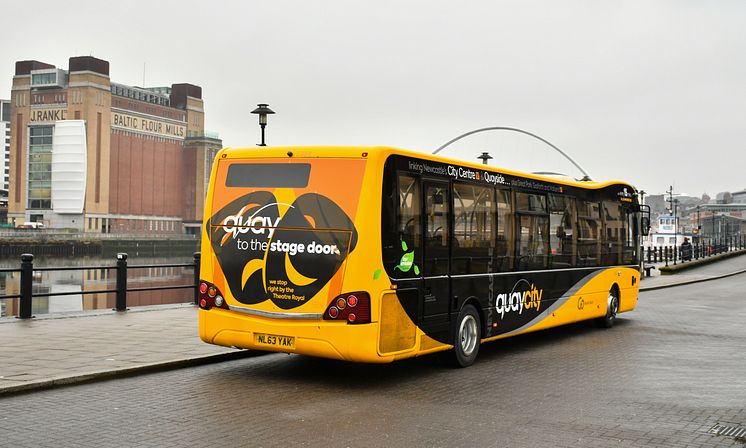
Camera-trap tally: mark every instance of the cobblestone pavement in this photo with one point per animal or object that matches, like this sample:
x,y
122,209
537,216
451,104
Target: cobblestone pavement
x,y
663,376
56,350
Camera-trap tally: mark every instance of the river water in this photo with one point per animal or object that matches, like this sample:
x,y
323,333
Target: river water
x,y
82,283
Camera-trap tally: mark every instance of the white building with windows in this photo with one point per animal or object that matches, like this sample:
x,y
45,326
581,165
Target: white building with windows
x,y
666,231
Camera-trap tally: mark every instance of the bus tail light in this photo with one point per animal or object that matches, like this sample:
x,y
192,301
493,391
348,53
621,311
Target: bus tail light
x,y
210,296
353,307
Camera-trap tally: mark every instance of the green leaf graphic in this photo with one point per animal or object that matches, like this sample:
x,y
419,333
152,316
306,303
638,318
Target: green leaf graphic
x,y
416,270
405,264
403,246
376,274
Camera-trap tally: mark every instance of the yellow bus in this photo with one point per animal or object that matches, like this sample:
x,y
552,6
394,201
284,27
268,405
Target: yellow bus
x,y
375,254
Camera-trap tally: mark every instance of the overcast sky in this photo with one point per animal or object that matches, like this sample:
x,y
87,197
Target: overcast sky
x,y
652,92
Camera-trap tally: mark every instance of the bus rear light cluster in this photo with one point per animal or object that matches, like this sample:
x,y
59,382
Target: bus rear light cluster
x,y
353,307
210,296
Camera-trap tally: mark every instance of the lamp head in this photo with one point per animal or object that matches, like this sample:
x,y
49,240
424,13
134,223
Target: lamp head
x,y
263,110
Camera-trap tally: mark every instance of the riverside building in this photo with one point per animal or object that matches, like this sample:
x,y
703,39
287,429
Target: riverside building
x,y
98,156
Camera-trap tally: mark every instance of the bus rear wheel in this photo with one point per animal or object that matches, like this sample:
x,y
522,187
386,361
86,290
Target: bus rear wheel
x,y
467,337
612,308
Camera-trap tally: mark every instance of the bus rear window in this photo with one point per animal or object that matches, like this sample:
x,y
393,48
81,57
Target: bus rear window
x,y
268,175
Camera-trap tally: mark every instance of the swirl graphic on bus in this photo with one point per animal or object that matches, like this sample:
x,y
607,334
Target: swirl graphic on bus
x,y
285,253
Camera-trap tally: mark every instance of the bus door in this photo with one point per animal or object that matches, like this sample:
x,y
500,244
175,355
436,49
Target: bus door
x,y
436,280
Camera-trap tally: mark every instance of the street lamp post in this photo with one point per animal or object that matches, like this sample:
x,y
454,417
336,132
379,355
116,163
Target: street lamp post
x,y
671,210
675,230
262,111
644,238
699,234
713,232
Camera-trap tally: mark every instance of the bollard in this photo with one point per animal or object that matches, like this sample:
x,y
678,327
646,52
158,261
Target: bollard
x,y
121,304
675,253
27,279
196,277
665,254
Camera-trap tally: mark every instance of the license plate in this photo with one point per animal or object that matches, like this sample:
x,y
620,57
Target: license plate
x,y
274,340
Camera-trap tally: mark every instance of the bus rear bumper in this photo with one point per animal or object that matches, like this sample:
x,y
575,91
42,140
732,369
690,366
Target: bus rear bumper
x,y
335,340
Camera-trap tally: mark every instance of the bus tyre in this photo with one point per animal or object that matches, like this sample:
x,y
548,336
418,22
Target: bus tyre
x,y
467,336
612,308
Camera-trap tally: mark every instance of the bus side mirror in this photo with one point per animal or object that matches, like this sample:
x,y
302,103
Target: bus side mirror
x,y
645,225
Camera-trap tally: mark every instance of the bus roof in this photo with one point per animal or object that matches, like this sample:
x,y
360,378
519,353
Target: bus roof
x,y
385,151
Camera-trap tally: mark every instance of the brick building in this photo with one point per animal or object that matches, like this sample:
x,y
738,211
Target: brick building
x,y
98,156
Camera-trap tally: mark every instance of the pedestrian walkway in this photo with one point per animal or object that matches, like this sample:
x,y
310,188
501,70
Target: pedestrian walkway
x,y
711,271
56,350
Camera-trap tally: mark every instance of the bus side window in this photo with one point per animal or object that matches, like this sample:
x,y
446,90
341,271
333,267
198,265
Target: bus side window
x,y
533,231
505,231
473,228
437,233
562,236
629,235
613,228
402,227
589,227
409,226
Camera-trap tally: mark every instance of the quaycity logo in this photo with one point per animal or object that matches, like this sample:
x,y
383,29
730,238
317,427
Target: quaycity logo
x,y
238,224
524,295
271,250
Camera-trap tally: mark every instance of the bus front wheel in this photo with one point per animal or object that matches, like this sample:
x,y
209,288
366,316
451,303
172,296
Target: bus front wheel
x,y
467,337
612,308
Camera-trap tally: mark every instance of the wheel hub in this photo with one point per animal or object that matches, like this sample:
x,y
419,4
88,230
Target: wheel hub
x,y
468,335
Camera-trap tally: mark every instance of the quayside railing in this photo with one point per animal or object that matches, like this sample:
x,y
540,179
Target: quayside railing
x,y
27,294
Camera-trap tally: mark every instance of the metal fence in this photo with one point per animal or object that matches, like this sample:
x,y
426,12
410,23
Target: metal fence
x,y
75,235
27,270
701,249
